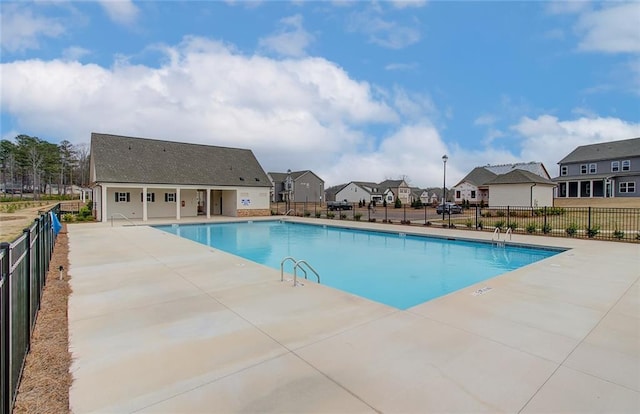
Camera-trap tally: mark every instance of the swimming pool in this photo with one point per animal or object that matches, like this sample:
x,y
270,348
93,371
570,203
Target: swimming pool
x,y
396,269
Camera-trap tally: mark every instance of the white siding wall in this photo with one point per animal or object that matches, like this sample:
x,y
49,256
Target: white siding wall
x,y
254,199
465,192
519,195
352,193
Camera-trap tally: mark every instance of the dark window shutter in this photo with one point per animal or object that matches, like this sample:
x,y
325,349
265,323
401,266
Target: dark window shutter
x,y
141,195
153,197
128,197
117,194
166,197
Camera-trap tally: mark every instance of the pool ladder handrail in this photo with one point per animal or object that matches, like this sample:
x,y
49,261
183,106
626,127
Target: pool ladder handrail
x,y
288,211
297,264
496,236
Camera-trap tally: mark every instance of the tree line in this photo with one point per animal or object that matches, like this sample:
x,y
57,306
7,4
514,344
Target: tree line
x,y
33,165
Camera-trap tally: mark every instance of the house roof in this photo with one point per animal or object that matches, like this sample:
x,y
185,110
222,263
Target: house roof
x,y
519,177
390,184
282,176
121,159
534,167
604,151
478,176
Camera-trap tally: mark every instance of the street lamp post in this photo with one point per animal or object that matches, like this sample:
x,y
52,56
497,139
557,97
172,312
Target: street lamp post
x,y
444,183
288,190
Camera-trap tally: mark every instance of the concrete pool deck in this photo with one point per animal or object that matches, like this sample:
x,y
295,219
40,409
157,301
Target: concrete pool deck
x,y
160,324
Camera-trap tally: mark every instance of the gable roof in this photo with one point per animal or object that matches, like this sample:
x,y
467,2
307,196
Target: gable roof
x,y
478,176
282,176
534,167
519,177
121,159
604,151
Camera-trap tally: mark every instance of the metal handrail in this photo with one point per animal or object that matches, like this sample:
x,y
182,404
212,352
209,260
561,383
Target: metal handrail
x,y
288,211
123,216
496,232
297,265
508,232
282,266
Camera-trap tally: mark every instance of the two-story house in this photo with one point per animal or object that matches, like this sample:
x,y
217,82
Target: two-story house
x,y
296,186
605,170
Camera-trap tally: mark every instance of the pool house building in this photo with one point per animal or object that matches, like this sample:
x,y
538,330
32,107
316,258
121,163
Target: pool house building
x,y
140,178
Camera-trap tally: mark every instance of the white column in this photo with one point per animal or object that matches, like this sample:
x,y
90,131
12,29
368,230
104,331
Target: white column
x,y
144,204
208,203
591,189
103,206
178,203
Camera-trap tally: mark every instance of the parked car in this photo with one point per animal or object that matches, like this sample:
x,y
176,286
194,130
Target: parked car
x,y
339,205
450,208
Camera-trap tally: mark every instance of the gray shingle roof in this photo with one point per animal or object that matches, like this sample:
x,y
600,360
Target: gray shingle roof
x,y
519,177
120,159
478,176
534,167
604,151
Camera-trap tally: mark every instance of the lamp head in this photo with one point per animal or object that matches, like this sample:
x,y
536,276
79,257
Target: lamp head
x,y
445,158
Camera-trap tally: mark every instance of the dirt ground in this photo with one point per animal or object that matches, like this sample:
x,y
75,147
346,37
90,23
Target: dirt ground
x,y
44,388
12,224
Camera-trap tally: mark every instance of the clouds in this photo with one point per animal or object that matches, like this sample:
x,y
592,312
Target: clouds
x,y
121,11
548,139
22,28
612,29
291,40
382,31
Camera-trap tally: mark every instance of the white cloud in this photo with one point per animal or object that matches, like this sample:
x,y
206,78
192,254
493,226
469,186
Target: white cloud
x,y
401,66
385,33
485,119
403,4
22,29
613,29
567,6
297,114
121,11
74,53
548,139
292,39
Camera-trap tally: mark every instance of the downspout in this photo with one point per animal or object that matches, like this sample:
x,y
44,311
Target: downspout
x,y
531,194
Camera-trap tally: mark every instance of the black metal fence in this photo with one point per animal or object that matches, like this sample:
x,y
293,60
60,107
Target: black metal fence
x,y
24,264
616,224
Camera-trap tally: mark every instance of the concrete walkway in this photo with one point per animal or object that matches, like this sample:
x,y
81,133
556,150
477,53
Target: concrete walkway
x,y
160,324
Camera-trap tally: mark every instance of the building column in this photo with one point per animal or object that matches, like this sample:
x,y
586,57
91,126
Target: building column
x,y
208,203
579,189
178,203
144,204
591,189
103,206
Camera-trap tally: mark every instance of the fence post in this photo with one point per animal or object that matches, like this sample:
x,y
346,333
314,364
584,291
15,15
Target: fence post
x,y
404,213
508,214
476,206
27,262
5,334
589,223
544,214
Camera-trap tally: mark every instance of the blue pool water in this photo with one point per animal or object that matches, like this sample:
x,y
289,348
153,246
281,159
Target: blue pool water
x,y
392,268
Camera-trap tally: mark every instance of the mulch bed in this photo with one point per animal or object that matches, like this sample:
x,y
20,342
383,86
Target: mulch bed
x,y
44,388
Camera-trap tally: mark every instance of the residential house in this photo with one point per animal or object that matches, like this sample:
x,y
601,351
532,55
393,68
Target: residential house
x,y
141,178
297,186
431,196
520,188
474,189
330,193
387,190
605,170
356,191
396,189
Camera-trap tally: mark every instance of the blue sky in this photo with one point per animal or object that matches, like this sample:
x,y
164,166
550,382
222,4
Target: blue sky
x,y
353,90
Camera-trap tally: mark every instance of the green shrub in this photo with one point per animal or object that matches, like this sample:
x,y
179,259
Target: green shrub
x,y
618,234
572,229
480,225
512,225
343,216
68,217
499,224
357,216
593,231
330,215
546,229
398,203
307,213
318,214
468,223
500,213
531,228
